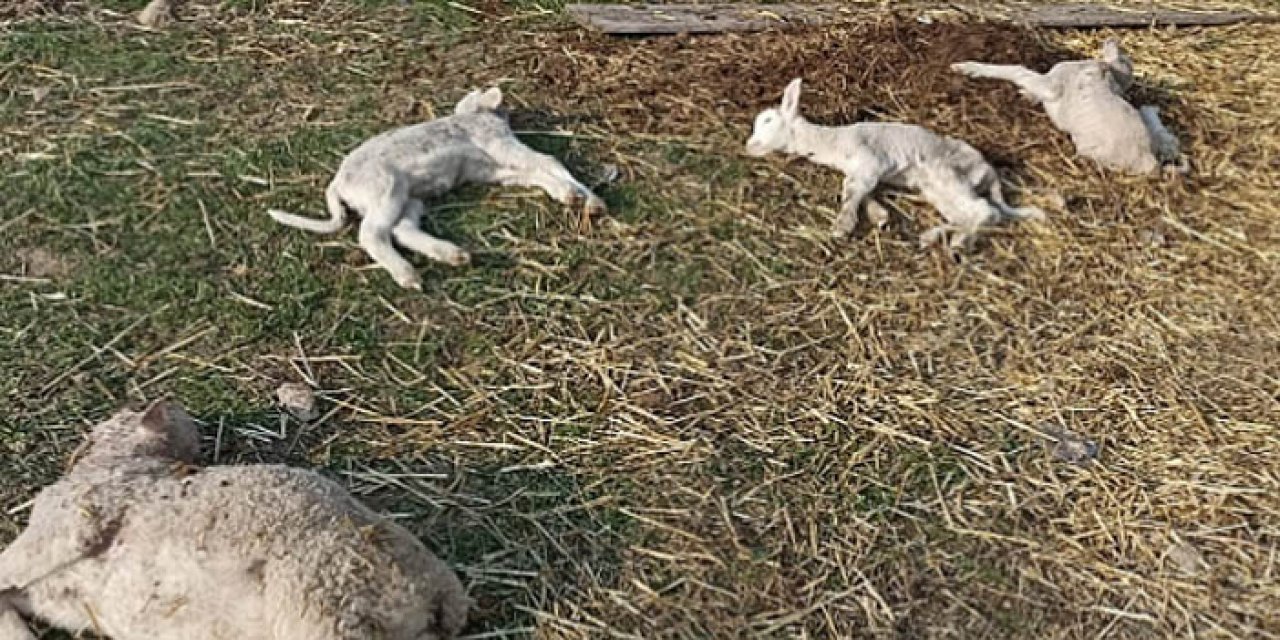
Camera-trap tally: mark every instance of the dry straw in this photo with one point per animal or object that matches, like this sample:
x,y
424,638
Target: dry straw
x,y
773,435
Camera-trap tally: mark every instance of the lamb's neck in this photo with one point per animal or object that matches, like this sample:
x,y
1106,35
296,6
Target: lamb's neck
x,y
818,144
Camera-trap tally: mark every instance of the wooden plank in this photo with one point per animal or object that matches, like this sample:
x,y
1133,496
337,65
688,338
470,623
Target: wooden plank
x,y
645,19
1081,16
649,19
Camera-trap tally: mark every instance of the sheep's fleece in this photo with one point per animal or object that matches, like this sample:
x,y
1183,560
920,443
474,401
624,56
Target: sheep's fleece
x,y
135,543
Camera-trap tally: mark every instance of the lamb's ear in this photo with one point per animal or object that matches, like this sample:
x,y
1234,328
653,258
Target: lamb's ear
x,y
1111,49
487,100
791,99
491,99
467,104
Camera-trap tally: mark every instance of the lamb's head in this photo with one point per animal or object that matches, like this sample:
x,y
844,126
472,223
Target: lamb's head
x,y
163,430
479,101
1112,52
773,127
1119,65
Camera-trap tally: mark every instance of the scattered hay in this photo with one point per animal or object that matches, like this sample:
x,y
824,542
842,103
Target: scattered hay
x,y
704,420
26,9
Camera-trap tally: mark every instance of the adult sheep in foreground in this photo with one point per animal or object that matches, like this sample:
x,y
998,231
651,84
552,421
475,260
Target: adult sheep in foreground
x,y
1086,100
949,173
135,543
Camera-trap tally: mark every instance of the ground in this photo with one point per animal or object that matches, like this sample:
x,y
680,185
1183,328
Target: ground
x,y
697,416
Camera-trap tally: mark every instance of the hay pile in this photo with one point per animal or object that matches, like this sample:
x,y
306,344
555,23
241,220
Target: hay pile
x,y
690,85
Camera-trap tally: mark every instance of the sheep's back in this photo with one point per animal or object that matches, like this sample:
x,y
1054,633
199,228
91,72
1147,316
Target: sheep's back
x,y
269,550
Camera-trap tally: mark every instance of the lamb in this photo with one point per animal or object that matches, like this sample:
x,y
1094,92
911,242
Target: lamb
x,y
136,543
386,177
948,172
1085,99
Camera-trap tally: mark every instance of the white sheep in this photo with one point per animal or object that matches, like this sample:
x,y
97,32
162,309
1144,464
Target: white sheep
x,y
386,178
1085,99
950,174
137,544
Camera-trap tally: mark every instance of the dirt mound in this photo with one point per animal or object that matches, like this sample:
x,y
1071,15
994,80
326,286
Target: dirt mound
x,y
889,68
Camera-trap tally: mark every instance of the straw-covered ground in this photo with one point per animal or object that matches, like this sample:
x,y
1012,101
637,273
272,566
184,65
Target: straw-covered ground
x,y
697,417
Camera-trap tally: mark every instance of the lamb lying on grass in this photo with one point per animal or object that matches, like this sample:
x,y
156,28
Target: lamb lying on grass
x,y
136,544
949,173
1085,99
386,178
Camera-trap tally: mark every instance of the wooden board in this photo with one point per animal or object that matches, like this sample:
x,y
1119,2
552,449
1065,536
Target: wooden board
x,y
644,19
1078,16
649,19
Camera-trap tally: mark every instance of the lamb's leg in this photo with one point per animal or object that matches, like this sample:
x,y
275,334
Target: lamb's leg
x,y
995,192
525,167
1033,84
12,627
855,189
375,238
1163,142
953,196
934,234
877,214
410,235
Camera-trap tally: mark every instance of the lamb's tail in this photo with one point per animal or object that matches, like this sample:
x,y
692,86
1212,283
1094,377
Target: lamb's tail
x,y
1021,213
337,216
1007,212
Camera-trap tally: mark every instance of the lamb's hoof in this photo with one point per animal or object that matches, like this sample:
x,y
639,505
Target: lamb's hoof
x,y
459,258
931,237
587,206
1174,171
878,216
595,206
409,281
962,67
1034,214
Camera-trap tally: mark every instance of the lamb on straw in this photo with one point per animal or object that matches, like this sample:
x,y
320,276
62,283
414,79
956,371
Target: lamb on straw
x,y
949,173
1085,99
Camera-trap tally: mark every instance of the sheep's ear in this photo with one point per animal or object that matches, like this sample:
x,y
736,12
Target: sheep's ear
x,y
491,99
156,417
791,99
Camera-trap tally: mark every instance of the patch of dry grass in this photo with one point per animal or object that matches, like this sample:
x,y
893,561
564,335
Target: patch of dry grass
x,y
703,418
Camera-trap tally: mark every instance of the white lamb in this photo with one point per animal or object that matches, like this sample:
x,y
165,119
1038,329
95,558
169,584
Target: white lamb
x,y
386,178
950,174
1085,99
137,544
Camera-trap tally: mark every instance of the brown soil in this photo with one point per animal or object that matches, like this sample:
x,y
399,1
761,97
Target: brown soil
x,y
887,68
